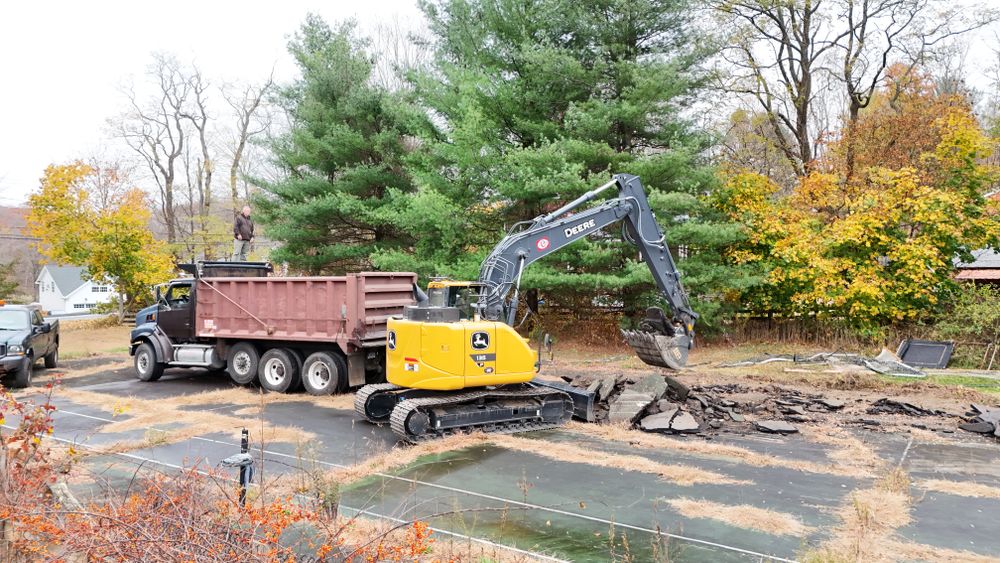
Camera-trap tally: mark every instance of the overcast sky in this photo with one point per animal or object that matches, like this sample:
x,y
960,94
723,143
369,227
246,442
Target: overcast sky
x,y
64,61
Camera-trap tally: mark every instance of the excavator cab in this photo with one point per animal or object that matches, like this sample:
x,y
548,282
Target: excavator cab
x,y
458,294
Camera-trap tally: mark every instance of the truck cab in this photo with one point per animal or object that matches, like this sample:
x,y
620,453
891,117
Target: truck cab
x,y
25,337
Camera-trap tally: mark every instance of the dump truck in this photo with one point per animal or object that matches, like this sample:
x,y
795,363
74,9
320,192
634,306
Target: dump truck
x,y
324,333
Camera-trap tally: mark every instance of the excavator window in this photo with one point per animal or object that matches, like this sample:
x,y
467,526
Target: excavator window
x,y
459,297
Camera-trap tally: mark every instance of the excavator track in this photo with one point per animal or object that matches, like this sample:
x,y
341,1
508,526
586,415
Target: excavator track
x,y
363,401
504,410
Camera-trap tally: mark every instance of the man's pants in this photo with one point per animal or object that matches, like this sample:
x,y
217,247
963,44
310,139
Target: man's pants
x,y
240,250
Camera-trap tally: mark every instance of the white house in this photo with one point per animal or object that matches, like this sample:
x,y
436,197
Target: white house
x,y
62,289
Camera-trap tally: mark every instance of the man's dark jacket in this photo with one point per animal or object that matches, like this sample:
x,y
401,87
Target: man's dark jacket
x,y
243,227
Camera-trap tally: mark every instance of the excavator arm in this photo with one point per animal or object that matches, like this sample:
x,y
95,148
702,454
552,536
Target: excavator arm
x,y
661,342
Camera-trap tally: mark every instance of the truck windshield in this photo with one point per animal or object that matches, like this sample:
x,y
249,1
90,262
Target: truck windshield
x,y
13,320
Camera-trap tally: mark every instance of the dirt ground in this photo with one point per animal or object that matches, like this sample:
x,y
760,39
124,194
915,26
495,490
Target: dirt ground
x,y
79,339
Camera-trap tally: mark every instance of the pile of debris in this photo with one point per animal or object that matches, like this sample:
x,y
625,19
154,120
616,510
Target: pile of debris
x,y
660,403
886,363
982,420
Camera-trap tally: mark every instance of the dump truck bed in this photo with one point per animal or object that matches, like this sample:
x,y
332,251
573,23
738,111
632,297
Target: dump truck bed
x,y
351,310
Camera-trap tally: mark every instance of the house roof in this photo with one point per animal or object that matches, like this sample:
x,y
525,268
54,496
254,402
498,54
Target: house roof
x,y
983,258
979,275
67,278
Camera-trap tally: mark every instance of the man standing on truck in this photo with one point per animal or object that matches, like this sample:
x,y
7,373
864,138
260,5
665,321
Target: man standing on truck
x,y
242,235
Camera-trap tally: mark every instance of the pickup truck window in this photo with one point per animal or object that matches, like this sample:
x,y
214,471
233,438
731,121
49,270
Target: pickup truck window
x,y
36,318
14,320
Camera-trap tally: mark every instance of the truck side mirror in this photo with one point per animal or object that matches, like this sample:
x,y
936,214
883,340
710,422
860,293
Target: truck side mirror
x,y
46,327
532,299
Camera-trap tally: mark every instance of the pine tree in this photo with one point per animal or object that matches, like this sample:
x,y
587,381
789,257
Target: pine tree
x,y
342,159
542,100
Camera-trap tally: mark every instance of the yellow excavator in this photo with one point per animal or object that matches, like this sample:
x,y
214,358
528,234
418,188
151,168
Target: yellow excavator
x,y
455,363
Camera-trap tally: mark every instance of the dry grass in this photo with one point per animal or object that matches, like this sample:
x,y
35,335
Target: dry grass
x,y
403,456
849,452
869,520
959,488
78,342
742,516
676,473
909,551
62,375
145,414
646,441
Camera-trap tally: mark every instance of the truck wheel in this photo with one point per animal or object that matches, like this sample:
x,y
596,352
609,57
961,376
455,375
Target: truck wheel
x,y
242,363
146,366
52,359
22,377
299,360
323,373
279,370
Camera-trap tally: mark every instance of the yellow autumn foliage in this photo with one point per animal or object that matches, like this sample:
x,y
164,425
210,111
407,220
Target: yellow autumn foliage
x,y
111,237
876,246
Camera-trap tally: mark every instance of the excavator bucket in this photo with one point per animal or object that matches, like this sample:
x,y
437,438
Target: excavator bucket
x,y
659,349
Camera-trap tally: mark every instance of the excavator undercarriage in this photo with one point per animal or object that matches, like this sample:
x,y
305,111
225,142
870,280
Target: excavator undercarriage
x,y
416,415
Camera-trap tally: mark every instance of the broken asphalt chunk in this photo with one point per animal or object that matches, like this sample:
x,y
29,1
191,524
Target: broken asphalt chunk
x,y
832,404
684,422
653,383
978,427
658,422
628,406
775,427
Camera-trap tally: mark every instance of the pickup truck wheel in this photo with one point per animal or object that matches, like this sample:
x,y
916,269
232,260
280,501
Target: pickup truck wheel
x,y
242,363
22,377
146,366
52,359
322,374
279,370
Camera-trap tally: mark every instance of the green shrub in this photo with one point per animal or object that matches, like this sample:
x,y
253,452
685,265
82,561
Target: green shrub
x,y
972,321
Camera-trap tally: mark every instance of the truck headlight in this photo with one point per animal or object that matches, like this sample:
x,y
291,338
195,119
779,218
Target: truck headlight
x,y
15,350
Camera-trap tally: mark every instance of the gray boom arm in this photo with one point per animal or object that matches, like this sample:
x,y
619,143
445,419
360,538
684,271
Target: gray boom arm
x,y
501,272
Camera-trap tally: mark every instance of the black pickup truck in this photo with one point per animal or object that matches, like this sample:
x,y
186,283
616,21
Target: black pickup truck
x,y
24,338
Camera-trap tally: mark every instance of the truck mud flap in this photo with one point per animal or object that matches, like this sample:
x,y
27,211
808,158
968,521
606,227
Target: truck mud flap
x,y
659,350
583,400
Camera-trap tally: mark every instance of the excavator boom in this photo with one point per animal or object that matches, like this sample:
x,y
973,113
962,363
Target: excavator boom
x,y
659,341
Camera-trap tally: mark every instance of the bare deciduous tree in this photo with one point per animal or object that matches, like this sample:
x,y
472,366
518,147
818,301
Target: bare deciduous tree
x,y
155,131
788,54
250,121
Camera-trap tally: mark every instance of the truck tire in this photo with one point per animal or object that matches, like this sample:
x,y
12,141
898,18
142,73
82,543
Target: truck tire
x,y
146,366
279,370
324,373
22,377
242,363
299,360
52,358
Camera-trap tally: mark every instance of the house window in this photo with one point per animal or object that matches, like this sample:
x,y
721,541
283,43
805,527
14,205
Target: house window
x,y
81,306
